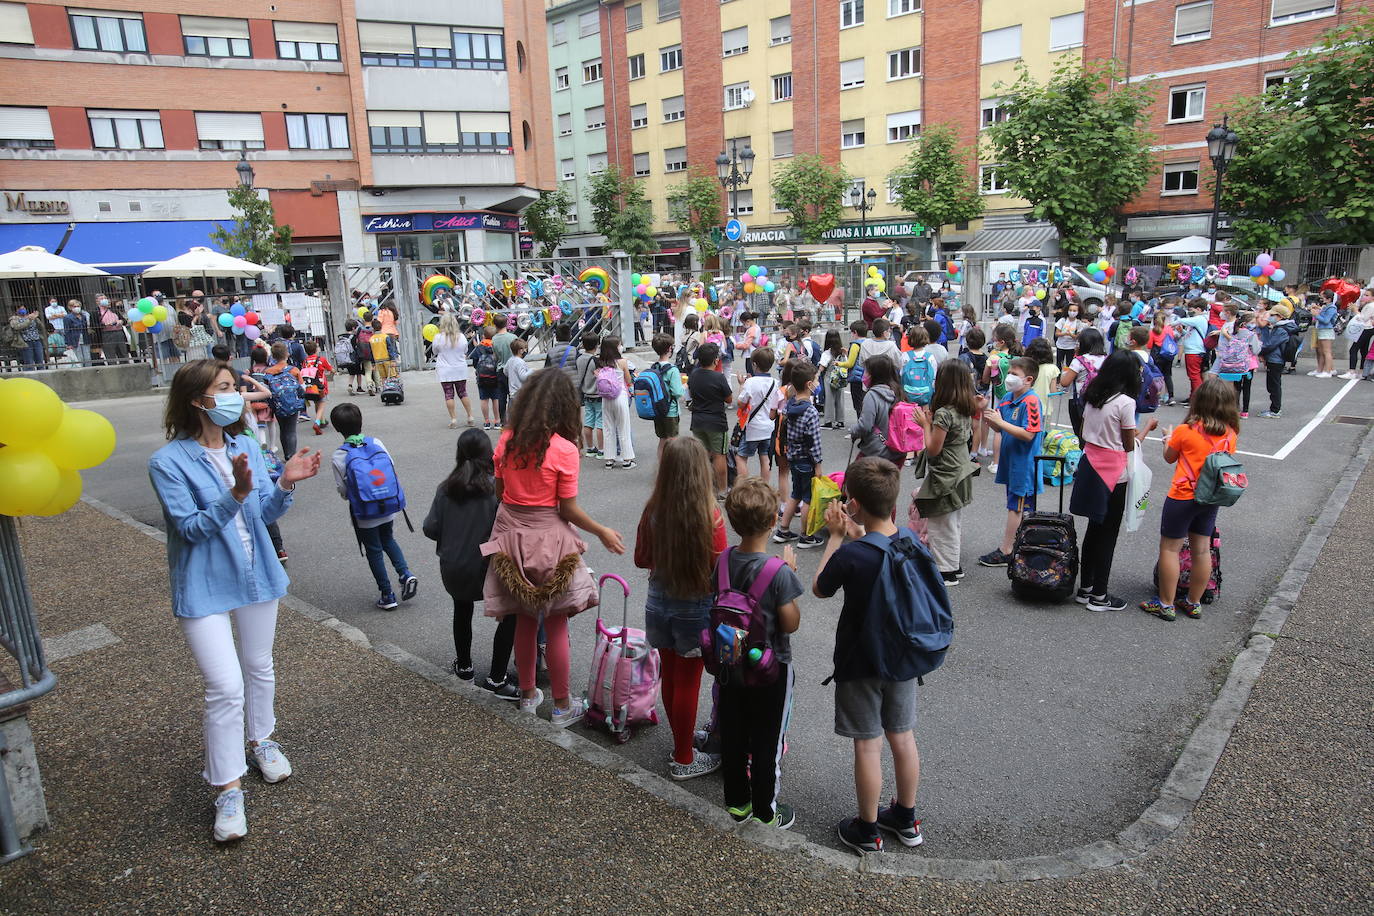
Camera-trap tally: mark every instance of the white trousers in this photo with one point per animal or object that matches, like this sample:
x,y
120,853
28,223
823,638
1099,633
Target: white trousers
x,y
238,679
943,532
615,423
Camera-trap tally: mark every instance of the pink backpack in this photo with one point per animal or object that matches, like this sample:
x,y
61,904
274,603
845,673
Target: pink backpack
x,y
622,693
904,434
610,382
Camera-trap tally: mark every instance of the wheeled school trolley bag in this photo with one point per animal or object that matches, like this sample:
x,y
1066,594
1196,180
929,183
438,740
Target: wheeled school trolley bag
x,y
622,693
1185,570
393,391
1044,556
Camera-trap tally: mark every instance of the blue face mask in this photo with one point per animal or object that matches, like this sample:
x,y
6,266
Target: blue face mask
x,y
228,408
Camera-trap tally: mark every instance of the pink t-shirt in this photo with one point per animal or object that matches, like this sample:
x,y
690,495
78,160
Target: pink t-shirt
x,y
1103,442
553,479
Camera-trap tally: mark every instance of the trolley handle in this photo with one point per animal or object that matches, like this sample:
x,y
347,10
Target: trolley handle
x,y
625,588
1063,467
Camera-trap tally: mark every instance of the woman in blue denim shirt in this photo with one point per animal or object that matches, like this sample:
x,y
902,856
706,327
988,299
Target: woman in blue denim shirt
x,y
218,500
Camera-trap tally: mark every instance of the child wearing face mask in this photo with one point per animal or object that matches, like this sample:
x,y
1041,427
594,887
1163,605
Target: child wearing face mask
x,y
1019,417
1066,337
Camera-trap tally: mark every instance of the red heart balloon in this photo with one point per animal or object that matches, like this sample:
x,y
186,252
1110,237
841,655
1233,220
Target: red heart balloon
x,y
822,286
1346,292
1331,284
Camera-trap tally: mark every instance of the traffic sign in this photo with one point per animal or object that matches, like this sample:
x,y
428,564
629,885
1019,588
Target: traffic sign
x,y
734,230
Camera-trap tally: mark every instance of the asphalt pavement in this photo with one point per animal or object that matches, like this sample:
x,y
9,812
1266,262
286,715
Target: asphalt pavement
x,y
1048,726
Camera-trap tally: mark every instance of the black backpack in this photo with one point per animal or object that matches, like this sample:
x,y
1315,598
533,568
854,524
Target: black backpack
x,y
686,359
484,360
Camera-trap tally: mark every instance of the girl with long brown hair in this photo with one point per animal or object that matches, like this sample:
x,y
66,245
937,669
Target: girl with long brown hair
x,y
681,532
948,486
536,569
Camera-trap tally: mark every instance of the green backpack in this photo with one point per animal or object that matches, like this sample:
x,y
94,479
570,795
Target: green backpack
x,y
1222,479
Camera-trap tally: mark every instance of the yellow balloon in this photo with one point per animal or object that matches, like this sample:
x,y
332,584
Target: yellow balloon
x,y
28,481
160,312
83,440
651,291
68,492
879,284
362,312
700,305
29,413
429,332
872,271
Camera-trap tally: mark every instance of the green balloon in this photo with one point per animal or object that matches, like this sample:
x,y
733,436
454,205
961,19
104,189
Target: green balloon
x,y
753,271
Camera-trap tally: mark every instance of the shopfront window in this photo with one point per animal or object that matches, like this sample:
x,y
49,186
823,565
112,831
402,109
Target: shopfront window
x,y
422,246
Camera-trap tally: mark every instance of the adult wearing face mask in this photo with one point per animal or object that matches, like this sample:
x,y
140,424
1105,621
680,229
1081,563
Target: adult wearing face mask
x,y
114,346
75,330
55,314
28,336
217,500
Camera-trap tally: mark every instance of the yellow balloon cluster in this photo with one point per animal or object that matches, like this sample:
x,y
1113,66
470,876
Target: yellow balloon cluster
x,y
45,444
429,332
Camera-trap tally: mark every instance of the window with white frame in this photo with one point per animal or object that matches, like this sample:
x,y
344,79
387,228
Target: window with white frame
x,y
560,78
641,164
591,71
567,169
639,116
782,87
780,30
1066,31
98,30
990,180
848,198
892,195
636,66
744,201
902,7
1284,11
317,131
903,126
400,44
558,31
851,13
991,112
674,108
736,96
1187,103
852,73
596,117
904,63
229,130
596,163
14,24
675,159
565,124
25,128
782,143
669,9
213,36
1001,44
734,41
1272,80
570,218
125,129
589,24
1192,22
852,133
634,17
670,58
306,40
1180,177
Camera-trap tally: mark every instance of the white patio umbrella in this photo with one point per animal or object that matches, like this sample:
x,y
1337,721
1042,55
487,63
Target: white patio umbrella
x,y
205,262
31,261
1191,244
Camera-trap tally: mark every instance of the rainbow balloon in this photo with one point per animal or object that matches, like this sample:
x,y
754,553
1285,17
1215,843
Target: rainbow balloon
x,y
432,285
597,277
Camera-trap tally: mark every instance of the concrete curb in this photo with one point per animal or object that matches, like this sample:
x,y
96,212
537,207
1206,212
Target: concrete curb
x,y
1178,794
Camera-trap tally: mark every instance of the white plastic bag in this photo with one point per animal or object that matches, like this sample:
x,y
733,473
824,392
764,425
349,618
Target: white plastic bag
x,y
1137,489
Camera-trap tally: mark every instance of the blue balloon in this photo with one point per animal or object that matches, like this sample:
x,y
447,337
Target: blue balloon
x,y
1277,276
479,288
240,330
1099,276
763,271
237,310
155,329
1256,270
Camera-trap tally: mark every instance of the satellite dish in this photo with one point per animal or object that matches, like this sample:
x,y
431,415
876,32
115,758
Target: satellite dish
x,y
747,95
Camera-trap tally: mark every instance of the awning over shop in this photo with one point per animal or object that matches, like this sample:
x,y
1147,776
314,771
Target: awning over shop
x,y
119,248
669,252
1022,241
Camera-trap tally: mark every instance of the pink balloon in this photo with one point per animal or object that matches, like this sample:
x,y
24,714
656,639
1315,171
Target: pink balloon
x,y
1268,269
240,321
252,332
745,278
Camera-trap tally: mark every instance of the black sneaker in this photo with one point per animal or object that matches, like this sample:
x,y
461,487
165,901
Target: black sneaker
x,y
960,572
783,817
951,578
809,540
461,671
784,536
1107,602
995,558
409,586
859,836
909,832
505,689
1082,595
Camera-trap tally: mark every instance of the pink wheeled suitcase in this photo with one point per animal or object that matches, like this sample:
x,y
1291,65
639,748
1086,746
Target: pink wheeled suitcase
x,y
622,693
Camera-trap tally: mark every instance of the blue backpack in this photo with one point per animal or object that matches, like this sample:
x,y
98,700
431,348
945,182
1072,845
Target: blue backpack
x,y
908,624
1152,387
650,393
374,491
918,378
288,397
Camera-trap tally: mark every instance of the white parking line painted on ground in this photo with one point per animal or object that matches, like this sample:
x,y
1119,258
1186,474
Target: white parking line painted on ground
x,y
1315,421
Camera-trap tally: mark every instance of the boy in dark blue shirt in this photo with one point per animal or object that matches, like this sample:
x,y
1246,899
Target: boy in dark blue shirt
x,y
1019,417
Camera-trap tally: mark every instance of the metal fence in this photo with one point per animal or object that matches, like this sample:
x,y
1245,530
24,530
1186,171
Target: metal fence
x,y
1302,264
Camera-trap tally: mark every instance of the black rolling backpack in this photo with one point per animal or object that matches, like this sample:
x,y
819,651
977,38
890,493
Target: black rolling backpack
x,y
1044,556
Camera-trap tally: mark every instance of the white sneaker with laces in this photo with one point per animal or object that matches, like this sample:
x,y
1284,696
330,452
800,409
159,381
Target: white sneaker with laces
x,y
231,821
531,704
1313,373
562,718
269,760
1323,375
1350,375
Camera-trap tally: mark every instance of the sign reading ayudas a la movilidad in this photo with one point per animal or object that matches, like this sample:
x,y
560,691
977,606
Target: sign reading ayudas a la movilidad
x,y
22,202
891,229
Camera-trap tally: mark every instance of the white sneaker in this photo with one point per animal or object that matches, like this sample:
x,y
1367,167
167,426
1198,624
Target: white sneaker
x,y
1323,375
270,761
231,822
1313,373
531,704
562,718
1349,375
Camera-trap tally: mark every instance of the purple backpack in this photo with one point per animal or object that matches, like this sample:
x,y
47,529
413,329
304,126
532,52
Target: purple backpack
x,y
734,643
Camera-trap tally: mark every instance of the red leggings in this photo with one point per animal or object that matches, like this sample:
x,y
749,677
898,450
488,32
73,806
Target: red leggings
x,y
681,687
555,652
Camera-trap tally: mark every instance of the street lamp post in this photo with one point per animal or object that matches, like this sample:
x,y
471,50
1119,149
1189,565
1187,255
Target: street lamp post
x,y
245,170
1221,148
734,170
863,202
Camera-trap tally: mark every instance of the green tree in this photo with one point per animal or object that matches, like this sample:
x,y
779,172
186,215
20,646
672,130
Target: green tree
x,y
547,219
255,235
812,191
694,205
1304,167
935,183
1076,152
620,213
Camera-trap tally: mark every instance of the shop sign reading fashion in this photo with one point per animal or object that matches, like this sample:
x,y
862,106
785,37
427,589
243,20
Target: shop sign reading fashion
x,y
441,222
